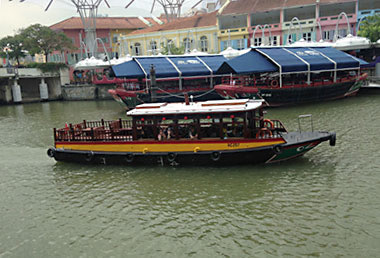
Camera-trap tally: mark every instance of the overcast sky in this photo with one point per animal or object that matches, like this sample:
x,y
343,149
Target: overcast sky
x,y
15,15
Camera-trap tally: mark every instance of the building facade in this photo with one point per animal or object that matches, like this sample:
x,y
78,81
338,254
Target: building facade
x,y
237,24
109,29
257,22
189,33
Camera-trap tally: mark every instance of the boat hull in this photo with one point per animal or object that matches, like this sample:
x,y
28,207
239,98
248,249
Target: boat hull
x,y
296,95
235,153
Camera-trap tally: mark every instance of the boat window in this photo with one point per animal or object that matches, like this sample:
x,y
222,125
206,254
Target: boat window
x,y
209,127
166,129
233,126
145,129
187,128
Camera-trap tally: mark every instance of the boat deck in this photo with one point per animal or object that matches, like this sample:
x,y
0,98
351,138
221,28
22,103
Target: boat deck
x,y
302,137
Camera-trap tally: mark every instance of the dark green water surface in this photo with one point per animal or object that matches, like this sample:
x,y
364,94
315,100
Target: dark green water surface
x,y
324,204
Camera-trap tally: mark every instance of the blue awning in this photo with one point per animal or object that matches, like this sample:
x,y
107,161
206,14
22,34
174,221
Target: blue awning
x,y
129,69
170,66
251,62
214,62
289,63
316,60
343,60
259,60
190,66
164,69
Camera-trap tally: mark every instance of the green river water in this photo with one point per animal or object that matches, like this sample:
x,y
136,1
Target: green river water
x,y
325,204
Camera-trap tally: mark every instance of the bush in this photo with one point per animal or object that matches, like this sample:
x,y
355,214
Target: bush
x,y
47,67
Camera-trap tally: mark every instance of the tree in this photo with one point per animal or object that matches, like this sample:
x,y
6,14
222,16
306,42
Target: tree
x,y
173,50
43,40
13,47
370,28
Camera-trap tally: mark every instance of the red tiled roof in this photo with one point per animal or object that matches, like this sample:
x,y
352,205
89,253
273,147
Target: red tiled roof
x,y
104,23
196,21
335,1
252,6
255,6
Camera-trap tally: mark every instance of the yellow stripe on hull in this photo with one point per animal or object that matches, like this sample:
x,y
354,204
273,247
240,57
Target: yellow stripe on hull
x,y
167,147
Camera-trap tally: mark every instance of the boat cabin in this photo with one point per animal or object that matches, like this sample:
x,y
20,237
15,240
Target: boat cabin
x,y
228,119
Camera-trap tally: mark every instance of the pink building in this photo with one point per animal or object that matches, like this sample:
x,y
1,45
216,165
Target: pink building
x,y
329,11
107,29
317,18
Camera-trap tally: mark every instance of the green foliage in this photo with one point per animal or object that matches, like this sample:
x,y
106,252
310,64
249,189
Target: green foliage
x,y
370,28
13,47
47,67
173,50
35,39
42,40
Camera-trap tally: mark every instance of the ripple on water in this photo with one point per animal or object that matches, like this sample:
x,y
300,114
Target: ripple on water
x,y
323,204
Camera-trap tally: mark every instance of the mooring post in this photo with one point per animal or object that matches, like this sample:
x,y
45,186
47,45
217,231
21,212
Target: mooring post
x,y
44,93
16,92
153,84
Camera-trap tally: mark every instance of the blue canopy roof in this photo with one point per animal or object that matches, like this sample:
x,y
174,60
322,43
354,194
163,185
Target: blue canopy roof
x,y
188,65
287,61
214,62
316,60
251,62
290,60
129,69
169,66
343,60
164,69
258,60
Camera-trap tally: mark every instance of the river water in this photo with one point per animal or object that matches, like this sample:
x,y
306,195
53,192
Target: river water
x,y
323,204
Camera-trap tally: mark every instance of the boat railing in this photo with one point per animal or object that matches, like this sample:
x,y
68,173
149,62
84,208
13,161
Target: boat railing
x,y
102,130
239,80
273,83
133,86
278,125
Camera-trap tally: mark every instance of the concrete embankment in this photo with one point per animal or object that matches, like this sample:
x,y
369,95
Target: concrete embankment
x,y
25,85
86,92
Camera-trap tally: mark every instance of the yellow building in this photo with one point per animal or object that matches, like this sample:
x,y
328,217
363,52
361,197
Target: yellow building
x,y
232,26
196,32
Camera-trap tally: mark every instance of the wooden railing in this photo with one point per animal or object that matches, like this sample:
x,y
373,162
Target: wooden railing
x,y
102,130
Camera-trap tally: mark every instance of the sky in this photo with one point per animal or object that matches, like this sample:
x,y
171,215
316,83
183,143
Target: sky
x,y
15,15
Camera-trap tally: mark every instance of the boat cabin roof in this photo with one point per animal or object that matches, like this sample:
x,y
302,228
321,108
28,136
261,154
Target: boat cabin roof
x,y
211,106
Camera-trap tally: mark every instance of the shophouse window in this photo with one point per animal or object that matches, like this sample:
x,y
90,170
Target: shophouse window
x,y
307,36
328,34
187,44
240,44
274,40
290,39
204,44
137,49
153,47
114,39
257,41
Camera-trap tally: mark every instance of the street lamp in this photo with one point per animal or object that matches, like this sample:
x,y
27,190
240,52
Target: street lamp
x,y
7,49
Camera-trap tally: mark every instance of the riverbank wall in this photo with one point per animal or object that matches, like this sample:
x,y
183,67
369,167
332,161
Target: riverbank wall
x,y
27,85
86,92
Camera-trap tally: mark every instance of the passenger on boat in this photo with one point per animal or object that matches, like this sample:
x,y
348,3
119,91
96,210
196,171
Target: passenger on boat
x,y
192,133
161,136
169,133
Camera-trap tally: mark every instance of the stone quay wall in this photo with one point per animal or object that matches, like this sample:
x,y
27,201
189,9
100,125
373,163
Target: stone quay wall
x,y
87,92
